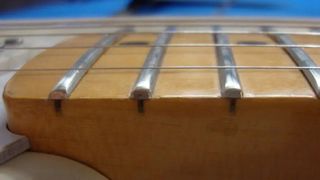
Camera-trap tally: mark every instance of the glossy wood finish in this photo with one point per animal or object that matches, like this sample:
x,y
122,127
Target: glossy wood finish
x,y
178,138
189,83
187,130
268,83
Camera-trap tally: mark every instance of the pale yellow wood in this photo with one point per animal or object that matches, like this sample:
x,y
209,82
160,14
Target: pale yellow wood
x,y
115,83
314,53
189,83
44,81
170,83
177,137
268,83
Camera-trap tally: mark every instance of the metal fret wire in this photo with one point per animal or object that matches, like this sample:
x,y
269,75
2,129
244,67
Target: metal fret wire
x,y
172,68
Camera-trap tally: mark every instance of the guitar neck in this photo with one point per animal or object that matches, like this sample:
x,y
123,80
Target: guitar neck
x,y
169,99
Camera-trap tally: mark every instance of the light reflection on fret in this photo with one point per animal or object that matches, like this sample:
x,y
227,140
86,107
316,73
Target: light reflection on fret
x,y
70,80
229,78
145,83
301,58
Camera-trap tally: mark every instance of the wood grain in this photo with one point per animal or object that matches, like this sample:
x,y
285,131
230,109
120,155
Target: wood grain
x,y
187,131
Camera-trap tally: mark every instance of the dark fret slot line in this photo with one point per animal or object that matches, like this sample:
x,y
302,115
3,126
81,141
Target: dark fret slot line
x,y
229,79
71,78
143,88
301,58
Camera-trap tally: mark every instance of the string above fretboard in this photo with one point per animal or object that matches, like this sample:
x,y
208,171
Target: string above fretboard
x,y
143,88
35,33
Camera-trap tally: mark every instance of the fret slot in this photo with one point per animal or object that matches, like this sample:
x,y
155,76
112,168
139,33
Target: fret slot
x,y
302,59
71,78
144,86
229,79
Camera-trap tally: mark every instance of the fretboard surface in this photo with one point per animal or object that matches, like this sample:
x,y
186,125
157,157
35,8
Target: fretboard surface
x,y
117,83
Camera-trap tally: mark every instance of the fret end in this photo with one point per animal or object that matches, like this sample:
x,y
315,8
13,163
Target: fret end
x,y
141,93
233,93
58,95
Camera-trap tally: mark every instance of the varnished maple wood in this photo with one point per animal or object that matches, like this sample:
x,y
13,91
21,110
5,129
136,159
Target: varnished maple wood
x,y
187,131
178,138
268,83
188,83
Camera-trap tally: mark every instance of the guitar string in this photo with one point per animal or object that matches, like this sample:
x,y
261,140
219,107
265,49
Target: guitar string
x,y
181,45
306,33
21,26
187,45
169,68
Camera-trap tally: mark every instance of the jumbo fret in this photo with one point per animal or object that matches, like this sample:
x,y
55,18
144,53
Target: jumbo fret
x,y
143,88
229,78
70,80
301,58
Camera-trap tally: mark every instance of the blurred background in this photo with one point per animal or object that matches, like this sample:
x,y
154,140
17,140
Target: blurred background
x,y
51,9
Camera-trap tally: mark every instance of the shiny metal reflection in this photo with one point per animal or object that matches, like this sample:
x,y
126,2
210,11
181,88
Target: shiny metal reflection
x,y
301,58
229,79
145,83
70,80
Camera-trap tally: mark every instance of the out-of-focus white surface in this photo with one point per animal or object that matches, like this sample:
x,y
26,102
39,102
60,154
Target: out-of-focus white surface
x,y
39,166
30,165
12,144
14,59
